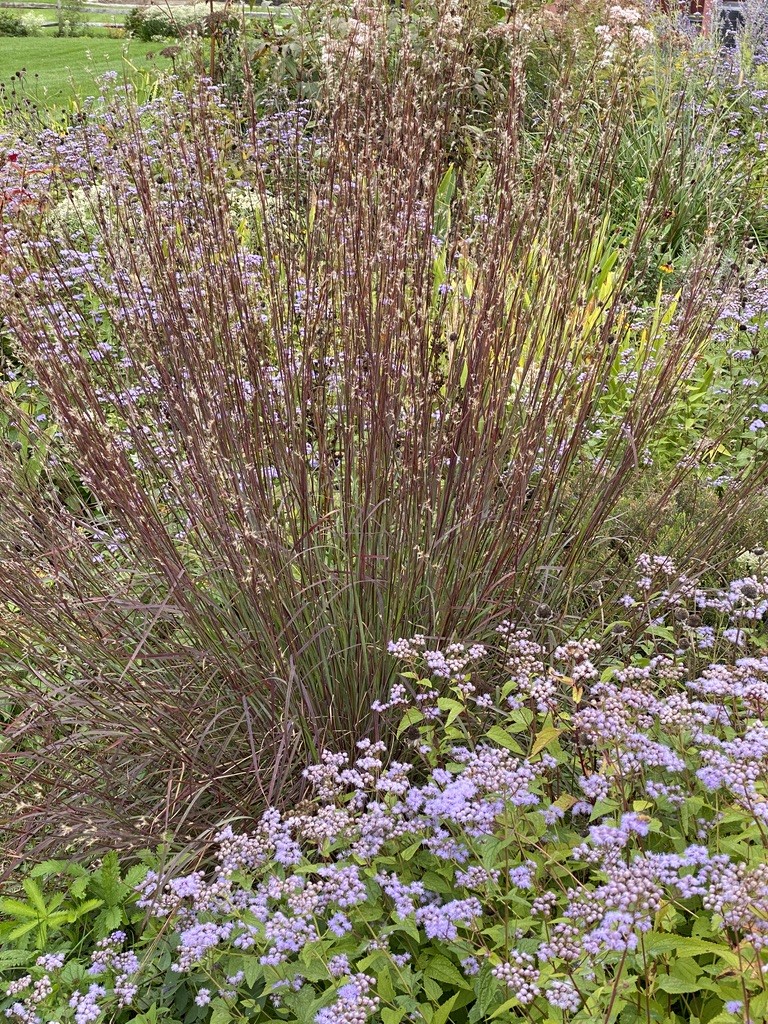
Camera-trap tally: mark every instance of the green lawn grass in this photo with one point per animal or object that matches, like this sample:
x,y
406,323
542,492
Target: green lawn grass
x,y
58,71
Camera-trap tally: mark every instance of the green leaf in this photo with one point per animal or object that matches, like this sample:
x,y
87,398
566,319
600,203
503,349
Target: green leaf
x,y
656,943
411,717
14,958
79,886
565,802
503,739
35,893
384,986
85,908
453,707
409,926
135,875
486,992
58,867
253,970
23,929
222,1013
17,908
437,883
443,1011
504,1007
432,989
412,850
109,885
109,920
441,969
543,739
679,986
390,1015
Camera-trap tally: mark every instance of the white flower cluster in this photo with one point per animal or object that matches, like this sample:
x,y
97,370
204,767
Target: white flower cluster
x,y
623,33
355,40
78,212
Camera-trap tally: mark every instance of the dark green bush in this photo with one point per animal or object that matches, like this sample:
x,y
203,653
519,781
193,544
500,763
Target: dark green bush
x,y
12,25
149,27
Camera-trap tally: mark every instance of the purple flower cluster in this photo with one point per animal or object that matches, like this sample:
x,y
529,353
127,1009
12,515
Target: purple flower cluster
x,y
388,859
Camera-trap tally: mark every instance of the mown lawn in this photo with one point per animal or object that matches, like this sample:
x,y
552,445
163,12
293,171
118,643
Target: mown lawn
x,y
57,71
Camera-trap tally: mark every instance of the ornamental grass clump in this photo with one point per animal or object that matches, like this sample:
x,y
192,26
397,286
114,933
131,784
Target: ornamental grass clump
x,y
570,836
298,381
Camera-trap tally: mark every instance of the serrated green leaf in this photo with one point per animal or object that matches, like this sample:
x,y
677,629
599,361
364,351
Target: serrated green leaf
x,y
503,739
544,738
411,717
656,943
565,802
22,929
58,867
679,986
79,887
15,958
135,875
221,1014
253,970
443,1012
109,920
486,989
410,851
17,908
409,926
503,1008
384,986
108,884
441,969
35,894
432,990
85,908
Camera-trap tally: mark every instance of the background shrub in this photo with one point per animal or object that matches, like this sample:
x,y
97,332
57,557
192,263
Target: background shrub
x,y
148,25
12,24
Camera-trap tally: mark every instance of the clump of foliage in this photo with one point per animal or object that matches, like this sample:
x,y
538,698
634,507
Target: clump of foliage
x,y
152,23
12,24
71,18
573,836
148,25
280,385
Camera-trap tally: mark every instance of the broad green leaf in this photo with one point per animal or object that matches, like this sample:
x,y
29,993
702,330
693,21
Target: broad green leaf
x,y
504,1007
486,989
252,969
678,986
384,986
656,943
565,802
544,738
453,707
503,739
410,851
443,1011
441,969
221,1014
433,991
411,717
